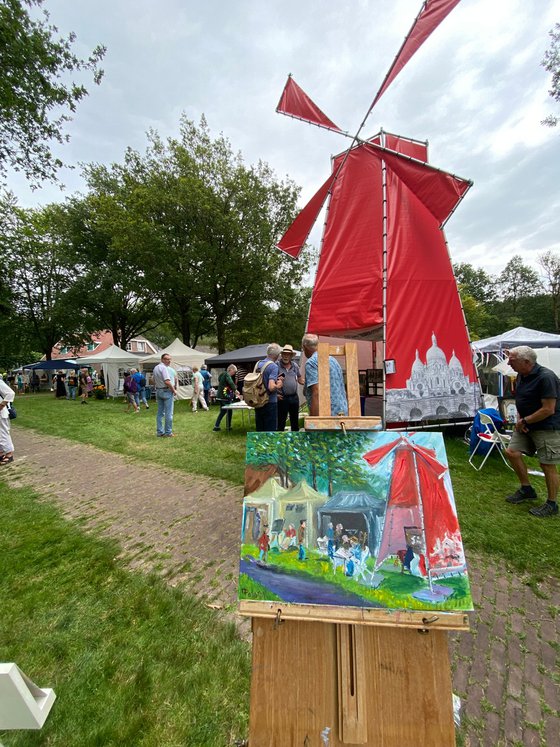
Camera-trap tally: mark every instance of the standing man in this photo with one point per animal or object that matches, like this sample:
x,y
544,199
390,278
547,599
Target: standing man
x,y
537,398
198,391
288,400
164,383
266,417
339,404
207,378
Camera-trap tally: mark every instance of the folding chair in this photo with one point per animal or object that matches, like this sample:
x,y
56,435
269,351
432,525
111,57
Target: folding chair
x,y
493,438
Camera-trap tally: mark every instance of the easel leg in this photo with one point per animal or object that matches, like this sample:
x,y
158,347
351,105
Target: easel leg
x,y
352,684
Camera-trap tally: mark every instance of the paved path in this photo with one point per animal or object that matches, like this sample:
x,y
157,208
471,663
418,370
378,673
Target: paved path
x,y
186,528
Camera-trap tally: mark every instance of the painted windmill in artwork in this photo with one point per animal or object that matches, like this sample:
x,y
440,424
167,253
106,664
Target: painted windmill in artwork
x,y
384,272
420,525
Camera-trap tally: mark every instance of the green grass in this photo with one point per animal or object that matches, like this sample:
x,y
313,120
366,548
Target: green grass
x,y
132,661
490,526
105,424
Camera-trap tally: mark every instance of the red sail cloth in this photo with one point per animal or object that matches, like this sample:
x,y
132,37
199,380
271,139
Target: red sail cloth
x,y
438,191
295,237
428,20
348,286
296,103
422,296
348,294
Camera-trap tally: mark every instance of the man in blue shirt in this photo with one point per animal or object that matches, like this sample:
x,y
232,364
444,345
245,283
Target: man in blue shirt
x,y
266,417
339,403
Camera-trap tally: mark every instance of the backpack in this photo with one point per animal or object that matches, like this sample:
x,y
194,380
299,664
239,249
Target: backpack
x,y
132,385
254,392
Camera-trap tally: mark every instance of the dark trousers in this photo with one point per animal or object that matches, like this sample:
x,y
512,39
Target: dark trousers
x,y
288,405
223,412
266,417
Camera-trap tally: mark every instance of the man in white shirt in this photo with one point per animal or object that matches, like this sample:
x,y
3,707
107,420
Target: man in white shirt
x,y
164,383
198,390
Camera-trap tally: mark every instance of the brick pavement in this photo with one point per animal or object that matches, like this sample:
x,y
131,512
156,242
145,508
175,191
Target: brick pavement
x,y
186,528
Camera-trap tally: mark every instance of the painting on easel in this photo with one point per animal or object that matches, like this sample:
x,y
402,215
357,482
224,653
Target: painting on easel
x,y
362,519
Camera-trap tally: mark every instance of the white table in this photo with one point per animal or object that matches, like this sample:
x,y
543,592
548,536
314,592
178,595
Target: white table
x,y
242,407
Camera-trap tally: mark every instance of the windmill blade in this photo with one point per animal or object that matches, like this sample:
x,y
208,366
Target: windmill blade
x,y
295,237
294,102
431,15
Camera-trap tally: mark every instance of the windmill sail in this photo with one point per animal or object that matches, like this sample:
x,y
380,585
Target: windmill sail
x,y
418,498
296,103
432,14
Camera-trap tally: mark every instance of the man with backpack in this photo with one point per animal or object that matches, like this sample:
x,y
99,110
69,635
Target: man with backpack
x,y
140,394
260,390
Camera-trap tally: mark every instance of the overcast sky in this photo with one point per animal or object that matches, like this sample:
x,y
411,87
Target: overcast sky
x,y
476,91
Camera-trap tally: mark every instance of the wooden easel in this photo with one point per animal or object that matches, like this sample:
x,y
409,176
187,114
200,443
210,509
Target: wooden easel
x,y
348,676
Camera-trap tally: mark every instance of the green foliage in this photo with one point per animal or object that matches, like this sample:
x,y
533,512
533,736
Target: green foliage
x,y
131,660
35,93
551,63
199,227
40,275
473,281
516,282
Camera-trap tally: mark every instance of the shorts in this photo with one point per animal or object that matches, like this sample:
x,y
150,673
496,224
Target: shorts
x,y
546,444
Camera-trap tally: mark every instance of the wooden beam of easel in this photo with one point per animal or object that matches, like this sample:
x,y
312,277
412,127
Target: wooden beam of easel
x,y
353,421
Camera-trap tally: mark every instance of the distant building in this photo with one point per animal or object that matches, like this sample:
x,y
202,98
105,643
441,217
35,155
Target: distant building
x,y
100,341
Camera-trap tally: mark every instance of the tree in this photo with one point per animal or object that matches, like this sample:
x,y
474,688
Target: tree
x,y
110,291
476,315
516,282
203,225
550,263
35,93
474,281
42,274
551,63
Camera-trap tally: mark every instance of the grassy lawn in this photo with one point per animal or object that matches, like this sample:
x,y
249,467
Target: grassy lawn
x,y
132,661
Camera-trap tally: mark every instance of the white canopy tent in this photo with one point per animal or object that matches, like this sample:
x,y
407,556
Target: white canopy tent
x,y
517,336
490,351
181,356
111,361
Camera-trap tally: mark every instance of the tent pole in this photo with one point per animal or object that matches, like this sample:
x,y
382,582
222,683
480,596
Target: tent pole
x,y
384,270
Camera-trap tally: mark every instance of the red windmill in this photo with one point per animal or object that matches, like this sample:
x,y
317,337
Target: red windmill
x,y
420,513
384,272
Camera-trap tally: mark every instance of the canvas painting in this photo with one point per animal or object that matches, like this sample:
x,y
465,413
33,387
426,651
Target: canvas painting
x,y
362,519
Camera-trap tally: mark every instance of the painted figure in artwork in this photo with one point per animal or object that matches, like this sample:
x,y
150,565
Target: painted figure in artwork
x,y
301,540
264,545
330,540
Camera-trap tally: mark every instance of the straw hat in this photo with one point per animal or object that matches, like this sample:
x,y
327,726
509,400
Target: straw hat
x,y
288,349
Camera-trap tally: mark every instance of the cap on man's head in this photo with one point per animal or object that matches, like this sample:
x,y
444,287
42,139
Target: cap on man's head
x,y
288,349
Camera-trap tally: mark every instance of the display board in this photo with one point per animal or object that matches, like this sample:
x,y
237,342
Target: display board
x,y
351,520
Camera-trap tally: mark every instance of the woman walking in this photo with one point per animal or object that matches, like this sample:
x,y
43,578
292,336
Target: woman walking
x,y
85,384
6,444
227,393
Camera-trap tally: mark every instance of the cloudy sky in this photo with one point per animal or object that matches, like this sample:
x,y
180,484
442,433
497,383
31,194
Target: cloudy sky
x,y
476,91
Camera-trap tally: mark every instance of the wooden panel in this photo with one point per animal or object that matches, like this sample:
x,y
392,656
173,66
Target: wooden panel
x,y
341,423
324,379
416,619
294,690
353,380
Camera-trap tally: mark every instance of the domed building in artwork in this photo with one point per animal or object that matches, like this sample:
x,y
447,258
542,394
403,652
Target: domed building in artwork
x,y
436,389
